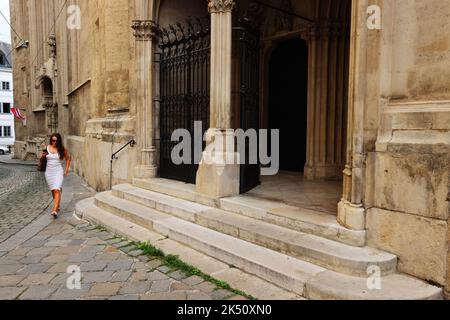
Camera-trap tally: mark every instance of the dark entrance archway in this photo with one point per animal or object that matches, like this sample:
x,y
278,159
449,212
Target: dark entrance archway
x,y
288,99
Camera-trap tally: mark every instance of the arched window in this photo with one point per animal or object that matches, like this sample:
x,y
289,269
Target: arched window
x,y
47,91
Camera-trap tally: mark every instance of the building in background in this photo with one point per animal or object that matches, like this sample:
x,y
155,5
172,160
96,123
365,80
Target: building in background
x,y
7,132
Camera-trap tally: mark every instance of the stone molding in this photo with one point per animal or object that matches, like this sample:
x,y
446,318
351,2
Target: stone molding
x,y
119,129
220,6
144,30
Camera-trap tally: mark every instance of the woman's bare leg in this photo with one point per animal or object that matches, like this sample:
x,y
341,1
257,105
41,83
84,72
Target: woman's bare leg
x,y
57,200
54,200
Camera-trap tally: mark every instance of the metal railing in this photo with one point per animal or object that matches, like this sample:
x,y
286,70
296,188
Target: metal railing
x,y
130,143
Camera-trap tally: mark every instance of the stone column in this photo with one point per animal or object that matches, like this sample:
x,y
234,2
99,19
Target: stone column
x,y
326,85
144,32
216,176
351,212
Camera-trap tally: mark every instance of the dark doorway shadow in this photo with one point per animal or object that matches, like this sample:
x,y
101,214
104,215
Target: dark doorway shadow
x,y
288,97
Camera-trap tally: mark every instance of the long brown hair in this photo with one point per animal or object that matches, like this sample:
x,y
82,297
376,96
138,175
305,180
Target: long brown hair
x,y
59,145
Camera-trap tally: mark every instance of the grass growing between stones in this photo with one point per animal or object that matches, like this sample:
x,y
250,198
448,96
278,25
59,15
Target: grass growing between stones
x,y
101,228
175,263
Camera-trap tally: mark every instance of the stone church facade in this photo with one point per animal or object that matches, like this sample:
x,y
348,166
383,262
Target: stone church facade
x,y
364,109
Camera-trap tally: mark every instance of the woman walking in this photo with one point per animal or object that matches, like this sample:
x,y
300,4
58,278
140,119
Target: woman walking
x,y
55,172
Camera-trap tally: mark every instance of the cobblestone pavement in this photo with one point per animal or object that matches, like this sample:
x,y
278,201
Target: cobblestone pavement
x,y
37,267
24,195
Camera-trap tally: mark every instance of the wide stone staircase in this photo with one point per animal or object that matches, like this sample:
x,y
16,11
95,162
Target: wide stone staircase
x,y
302,251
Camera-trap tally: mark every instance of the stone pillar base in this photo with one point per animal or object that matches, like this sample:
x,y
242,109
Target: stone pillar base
x,y
218,180
145,172
219,170
351,216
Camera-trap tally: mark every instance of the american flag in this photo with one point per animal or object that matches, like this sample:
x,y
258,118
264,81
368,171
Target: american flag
x,y
18,115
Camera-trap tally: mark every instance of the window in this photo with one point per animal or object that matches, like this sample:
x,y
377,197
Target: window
x,y
7,131
6,86
1,131
7,108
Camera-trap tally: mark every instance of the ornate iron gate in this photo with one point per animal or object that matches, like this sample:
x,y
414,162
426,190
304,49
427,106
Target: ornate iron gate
x,y
246,41
184,90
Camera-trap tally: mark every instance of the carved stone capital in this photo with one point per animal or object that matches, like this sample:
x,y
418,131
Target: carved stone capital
x,y
144,30
219,6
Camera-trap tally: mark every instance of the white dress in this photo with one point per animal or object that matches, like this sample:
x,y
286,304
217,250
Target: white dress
x,y
54,174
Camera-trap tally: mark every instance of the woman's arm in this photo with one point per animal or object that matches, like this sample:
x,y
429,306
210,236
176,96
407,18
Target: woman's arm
x,y
68,159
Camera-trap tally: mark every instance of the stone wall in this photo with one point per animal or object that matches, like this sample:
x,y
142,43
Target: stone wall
x,y
407,170
91,82
91,154
447,288
20,76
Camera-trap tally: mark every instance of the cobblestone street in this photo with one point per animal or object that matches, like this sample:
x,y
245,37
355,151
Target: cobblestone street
x,y
23,197
36,251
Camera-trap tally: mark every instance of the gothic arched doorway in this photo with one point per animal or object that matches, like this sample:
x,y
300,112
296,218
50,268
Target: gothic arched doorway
x,y
304,93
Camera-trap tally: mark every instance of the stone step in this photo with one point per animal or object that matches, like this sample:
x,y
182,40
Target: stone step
x,y
295,218
299,219
334,286
175,189
180,208
323,252
257,287
131,211
285,271
292,274
87,210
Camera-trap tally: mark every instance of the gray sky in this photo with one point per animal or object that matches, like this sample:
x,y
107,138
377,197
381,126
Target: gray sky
x,y
5,31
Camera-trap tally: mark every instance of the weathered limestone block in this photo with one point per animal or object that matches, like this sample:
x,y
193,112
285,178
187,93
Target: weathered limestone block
x,y
97,156
447,289
20,149
217,176
420,243
91,155
414,183
421,121
113,128
441,120
420,141
75,145
412,121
